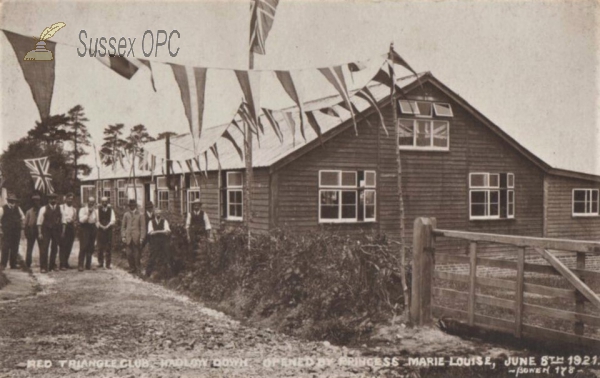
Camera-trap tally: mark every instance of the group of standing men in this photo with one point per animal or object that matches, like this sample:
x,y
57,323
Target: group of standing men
x,y
53,227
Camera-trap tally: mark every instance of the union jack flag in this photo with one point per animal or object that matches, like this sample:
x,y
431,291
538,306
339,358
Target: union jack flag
x,y
261,21
39,169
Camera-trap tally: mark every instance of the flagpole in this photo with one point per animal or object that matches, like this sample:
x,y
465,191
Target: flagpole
x,y
133,170
400,192
248,161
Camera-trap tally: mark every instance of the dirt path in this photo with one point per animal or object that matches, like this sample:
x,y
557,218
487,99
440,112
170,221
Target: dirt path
x,y
139,329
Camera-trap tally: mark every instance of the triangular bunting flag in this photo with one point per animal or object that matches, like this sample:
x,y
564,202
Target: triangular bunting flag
x,y
192,85
356,66
312,121
147,64
395,58
366,94
152,166
38,74
273,122
250,84
228,136
287,82
330,112
335,75
215,152
206,164
119,64
289,120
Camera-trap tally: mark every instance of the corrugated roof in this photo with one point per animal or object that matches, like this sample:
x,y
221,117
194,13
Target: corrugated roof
x,y
267,149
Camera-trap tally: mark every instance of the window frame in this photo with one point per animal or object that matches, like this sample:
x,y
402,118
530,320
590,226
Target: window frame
x,y
590,205
234,188
189,200
374,219
487,188
431,146
159,201
442,115
357,189
84,198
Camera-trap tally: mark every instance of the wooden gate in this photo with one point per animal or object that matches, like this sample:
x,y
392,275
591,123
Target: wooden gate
x,y
437,293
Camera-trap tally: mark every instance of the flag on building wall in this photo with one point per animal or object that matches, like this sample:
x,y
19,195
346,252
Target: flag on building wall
x,y
261,22
192,85
39,169
38,75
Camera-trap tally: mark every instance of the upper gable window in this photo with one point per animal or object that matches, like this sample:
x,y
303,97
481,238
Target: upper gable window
x,y
425,109
443,110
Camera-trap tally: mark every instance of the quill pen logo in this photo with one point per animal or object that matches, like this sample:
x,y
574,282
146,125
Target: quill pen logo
x,y
40,52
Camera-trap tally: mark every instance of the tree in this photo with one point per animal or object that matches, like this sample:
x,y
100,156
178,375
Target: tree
x,y
112,149
50,132
80,137
164,134
138,136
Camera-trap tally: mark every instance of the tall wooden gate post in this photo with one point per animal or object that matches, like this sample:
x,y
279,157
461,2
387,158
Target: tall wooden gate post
x,y
422,271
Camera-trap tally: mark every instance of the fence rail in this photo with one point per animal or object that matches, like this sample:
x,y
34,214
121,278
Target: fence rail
x,y
509,293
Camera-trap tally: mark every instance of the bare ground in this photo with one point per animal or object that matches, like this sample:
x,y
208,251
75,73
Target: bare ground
x,y
109,315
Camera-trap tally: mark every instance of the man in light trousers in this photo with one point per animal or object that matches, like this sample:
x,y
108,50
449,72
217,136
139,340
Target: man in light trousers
x,y
133,233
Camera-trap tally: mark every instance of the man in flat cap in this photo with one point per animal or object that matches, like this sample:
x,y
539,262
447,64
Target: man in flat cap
x,y
11,221
159,233
69,215
49,228
31,230
105,222
197,226
87,233
133,233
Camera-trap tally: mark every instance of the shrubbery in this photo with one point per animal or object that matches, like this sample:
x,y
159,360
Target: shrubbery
x,y
323,285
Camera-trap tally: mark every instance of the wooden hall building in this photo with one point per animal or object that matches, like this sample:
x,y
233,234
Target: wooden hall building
x,y
457,166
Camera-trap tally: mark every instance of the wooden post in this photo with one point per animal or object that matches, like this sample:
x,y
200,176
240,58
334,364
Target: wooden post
x,y
472,281
399,189
422,272
247,203
578,327
519,292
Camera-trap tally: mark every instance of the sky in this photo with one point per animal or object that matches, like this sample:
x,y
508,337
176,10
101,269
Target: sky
x,y
532,67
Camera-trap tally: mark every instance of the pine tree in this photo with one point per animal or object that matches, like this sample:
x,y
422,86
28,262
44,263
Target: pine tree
x,y
114,145
138,136
80,137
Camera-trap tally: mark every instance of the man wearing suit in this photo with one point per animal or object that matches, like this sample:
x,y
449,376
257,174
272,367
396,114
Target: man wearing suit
x,y
88,217
11,219
104,224
133,232
49,229
31,230
69,215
